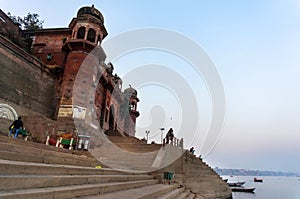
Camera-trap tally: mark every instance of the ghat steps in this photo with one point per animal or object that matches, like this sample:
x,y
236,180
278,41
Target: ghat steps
x,y
19,150
132,144
32,170
192,172
130,153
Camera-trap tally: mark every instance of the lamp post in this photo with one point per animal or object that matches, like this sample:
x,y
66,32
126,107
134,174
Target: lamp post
x,y
162,132
147,133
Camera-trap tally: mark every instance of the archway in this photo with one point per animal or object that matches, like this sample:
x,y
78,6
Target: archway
x,y
111,121
91,35
81,33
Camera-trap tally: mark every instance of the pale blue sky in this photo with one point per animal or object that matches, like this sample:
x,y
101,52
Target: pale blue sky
x,y
255,47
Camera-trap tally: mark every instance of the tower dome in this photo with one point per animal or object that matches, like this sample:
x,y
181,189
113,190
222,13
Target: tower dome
x,y
87,10
130,91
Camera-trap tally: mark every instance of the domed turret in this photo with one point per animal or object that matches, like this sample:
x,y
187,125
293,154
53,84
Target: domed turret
x,y
87,10
130,91
131,95
87,26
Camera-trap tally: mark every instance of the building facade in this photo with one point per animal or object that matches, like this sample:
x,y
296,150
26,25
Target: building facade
x,y
86,87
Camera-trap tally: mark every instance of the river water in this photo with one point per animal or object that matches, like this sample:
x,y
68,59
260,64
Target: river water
x,y
271,188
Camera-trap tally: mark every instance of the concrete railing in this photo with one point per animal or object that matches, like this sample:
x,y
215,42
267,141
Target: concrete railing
x,y
178,142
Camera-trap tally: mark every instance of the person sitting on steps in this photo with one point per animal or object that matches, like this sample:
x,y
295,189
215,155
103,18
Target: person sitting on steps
x,y
15,127
192,150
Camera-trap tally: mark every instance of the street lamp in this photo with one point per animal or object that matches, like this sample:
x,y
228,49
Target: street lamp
x,y
162,132
147,132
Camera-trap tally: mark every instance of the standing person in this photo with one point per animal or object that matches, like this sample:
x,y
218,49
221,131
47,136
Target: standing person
x,y
169,136
192,150
15,127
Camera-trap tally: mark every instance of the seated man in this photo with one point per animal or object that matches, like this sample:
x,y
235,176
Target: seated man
x,y
15,127
192,150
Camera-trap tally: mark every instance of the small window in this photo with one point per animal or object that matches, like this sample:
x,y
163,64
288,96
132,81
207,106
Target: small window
x,y
1,19
49,56
91,35
81,33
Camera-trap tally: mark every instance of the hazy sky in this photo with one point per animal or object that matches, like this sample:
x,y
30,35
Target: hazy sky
x,y
254,46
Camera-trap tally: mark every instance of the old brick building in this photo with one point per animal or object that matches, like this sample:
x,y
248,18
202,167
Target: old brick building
x,y
83,86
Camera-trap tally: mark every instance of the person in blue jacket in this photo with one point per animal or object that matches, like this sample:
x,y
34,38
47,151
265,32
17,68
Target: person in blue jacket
x,y
15,127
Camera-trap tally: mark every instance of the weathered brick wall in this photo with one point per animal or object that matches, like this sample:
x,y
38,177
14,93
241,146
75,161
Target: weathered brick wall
x,y
25,83
4,124
39,127
48,42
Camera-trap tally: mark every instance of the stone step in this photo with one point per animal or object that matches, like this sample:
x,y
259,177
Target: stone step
x,y
183,195
21,142
133,146
200,171
139,149
116,158
130,141
172,194
138,165
201,178
18,167
137,144
146,192
9,182
65,192
191,196
46,159
199,166
30,154
121,152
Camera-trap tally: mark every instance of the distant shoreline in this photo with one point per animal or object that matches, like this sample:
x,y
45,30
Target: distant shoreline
x,y
246,172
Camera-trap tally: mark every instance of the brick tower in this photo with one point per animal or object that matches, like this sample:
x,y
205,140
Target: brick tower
x,y
88,31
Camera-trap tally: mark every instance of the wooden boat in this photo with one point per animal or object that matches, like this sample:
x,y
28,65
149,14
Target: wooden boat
x,y
258,180
235,184
243,189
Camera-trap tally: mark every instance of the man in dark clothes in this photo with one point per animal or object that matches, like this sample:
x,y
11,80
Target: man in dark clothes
x,y
169,136
192,150
15,127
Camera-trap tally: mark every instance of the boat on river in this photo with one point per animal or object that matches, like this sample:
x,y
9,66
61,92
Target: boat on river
x,y
258,180
243,189
235,184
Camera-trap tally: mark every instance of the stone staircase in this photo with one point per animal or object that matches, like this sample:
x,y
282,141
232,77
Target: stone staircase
x,y
134,154
131,153
33,170
189,170
19,150
197,172
133,144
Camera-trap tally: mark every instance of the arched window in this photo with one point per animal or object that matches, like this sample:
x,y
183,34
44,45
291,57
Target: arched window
x,y
81,33
91,35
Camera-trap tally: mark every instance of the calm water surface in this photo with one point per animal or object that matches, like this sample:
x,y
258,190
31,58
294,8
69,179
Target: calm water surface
x,y
271,188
